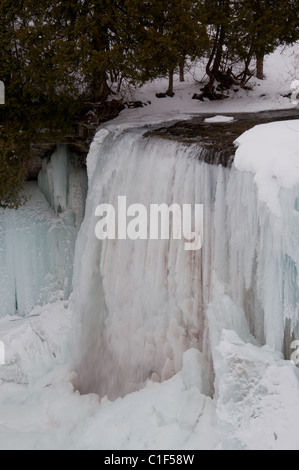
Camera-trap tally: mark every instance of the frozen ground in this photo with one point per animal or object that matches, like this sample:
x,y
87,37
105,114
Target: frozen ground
x,y
256,403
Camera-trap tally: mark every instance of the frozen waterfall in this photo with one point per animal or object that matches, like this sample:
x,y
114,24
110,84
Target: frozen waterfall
x,y
141,304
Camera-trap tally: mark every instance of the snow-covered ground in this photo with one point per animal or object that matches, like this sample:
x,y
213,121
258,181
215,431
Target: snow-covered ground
x,y
257,408
281,69
49,414
256,405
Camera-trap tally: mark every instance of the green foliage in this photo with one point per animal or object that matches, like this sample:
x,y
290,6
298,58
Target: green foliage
x,y
12,162
167,32
264,25
247,29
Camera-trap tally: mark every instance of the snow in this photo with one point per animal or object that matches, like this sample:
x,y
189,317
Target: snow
x,y
48,414
36,344
257,404
211,326
256,407
219,119
271,153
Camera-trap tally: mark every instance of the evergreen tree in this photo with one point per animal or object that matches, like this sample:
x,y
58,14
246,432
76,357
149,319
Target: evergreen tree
x,y
166,33
243,29
40,92
261,26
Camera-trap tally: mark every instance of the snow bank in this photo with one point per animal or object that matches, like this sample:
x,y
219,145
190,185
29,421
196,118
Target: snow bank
x,y
35,345
271,153
257,406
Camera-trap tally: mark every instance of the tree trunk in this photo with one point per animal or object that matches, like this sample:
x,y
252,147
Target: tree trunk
x,y
182,70
247,74
100,90
260,66
219,53
216,57
170,91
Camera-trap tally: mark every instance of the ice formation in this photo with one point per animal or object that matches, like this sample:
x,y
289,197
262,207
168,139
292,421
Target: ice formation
x,y
64,183
37,245
141,304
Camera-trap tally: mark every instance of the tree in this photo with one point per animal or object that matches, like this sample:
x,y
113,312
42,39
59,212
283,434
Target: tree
x,y
166,33
41,94
241,30
266,24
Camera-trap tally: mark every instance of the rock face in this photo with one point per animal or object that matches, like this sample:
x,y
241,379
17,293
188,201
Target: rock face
x,y
218,138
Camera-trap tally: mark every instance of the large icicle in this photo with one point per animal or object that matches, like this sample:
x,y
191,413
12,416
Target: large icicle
x,y
36,255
